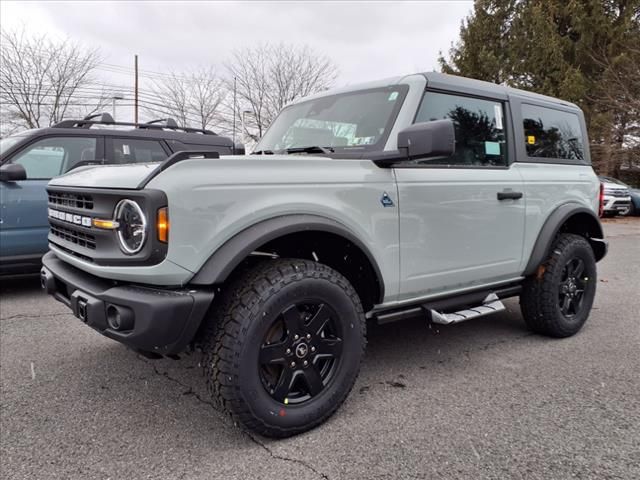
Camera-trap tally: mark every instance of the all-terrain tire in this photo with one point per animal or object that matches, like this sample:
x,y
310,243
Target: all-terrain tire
x,y
541,300
233,342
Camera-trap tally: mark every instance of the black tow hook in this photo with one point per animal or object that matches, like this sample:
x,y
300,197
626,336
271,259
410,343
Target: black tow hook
x,y
47,282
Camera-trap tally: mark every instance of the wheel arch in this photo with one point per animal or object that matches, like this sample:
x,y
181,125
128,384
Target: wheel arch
x,y
567,218
272,234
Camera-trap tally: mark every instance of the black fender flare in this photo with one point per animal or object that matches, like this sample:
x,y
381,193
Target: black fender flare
x,y
226,258
589,225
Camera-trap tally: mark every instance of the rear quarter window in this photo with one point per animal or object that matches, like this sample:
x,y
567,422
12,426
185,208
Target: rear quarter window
x,y
551,133
133,150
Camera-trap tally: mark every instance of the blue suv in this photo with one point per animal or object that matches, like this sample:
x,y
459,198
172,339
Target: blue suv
x,y
28,161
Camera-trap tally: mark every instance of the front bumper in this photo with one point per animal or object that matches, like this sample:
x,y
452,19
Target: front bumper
x,y
616,204
142,317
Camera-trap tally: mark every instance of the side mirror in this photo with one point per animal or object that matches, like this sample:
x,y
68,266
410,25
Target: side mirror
x,y
12,172
428,140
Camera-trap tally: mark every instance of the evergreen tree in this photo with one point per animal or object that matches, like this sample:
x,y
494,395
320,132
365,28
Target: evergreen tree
x,y
584,51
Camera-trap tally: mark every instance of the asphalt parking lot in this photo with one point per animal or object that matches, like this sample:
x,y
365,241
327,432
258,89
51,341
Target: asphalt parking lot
x,y
485,399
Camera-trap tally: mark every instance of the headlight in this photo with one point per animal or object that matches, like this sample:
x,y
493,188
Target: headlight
x,y
132,226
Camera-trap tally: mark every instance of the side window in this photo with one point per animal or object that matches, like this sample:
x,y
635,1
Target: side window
x,y
550,133
479,125
53,156
133,150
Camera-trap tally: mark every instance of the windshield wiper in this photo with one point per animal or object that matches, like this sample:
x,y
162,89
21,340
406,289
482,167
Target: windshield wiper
x,y
312,149
263,152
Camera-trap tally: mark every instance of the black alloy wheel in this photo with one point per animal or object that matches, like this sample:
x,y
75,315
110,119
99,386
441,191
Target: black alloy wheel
x,y
300,353
571,287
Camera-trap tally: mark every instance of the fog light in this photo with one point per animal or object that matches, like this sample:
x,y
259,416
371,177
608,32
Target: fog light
x,y
119,318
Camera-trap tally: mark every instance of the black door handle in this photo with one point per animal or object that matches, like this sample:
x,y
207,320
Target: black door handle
x,y
509,195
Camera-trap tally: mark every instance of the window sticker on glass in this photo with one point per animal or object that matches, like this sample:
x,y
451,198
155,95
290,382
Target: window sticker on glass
x,y
492,148
393,96
498,112
125,149
531,140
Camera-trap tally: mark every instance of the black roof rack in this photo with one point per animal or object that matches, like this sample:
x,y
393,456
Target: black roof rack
x,y
106,119
168,123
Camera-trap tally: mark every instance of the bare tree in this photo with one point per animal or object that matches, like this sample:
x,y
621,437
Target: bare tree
x,y
42,81
193,99
268,77
617,107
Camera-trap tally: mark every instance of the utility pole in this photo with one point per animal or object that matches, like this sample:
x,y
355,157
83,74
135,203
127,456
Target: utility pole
x,y
135,101
235,109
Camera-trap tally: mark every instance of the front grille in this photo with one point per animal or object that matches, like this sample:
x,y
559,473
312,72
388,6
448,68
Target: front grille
x,y
74,200
79,238
71,252
71,214
617,192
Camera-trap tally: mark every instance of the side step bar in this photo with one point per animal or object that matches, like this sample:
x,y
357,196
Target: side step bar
x,y
491,304
465,307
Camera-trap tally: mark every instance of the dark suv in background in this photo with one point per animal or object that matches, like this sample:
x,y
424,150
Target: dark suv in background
x,y
28,160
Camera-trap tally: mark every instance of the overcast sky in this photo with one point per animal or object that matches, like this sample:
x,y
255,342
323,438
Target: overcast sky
x,y
367,40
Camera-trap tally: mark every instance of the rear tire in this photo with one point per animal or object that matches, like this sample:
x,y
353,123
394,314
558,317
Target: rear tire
x,y
289,340
557,300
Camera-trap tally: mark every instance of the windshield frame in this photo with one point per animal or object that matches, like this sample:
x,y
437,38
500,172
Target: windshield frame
x,y
18,137
402,90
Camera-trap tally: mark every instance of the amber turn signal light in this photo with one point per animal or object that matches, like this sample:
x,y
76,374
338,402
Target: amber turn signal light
x,y
163,224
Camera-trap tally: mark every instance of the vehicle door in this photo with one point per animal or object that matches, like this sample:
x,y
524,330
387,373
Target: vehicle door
x,y
461,217
24,224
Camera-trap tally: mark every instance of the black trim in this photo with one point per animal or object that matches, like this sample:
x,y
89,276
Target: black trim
x,y
516,100
175,158
226,258
158,320
445,304
88,122
509,131
552,226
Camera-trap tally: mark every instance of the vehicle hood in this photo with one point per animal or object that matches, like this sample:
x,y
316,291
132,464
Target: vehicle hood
x,y
106,176
614,186
130,176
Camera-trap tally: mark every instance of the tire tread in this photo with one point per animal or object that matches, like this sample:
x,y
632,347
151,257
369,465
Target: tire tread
x,y
538,301
237,307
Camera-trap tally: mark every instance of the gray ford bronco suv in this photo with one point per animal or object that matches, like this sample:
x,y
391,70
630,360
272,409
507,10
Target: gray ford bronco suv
x,y
426,194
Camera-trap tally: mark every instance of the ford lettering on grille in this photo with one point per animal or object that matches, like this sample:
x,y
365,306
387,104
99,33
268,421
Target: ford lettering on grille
x,y
70,218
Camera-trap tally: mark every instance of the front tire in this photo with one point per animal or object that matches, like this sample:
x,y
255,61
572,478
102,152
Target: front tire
x,y
290,336
557,300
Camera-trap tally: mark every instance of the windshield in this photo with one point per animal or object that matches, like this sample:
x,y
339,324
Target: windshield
x,y
8,142
358,120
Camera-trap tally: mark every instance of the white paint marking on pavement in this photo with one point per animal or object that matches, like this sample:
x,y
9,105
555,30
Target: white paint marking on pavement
x,y
33,371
